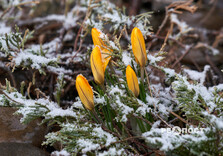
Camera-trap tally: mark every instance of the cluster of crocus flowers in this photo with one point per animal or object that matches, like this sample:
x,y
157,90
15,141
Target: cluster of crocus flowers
x,y
139,51
99,60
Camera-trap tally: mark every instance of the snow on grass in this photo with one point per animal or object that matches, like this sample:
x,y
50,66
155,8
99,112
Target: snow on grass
x,y
153,59
181,24
100,100
218,88
156,124
61,153
56,111
50,47
69,36
199,90
99,132
87,145
198,76
94,24
32,55
169,72
68,21
143,108
59,70
126,58
112,152
78,104
112,44
108,12
117,19
124,109
142,28
3,43
36,61
116,89
75,127
183,27
40,106
172,140
4,29
217,121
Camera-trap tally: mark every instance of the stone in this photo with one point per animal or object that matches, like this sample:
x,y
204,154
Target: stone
x,y
20,149
11,130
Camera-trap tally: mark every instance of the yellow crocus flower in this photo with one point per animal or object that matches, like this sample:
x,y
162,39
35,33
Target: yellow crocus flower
x,y
85,92
132,80
97,66
105,53
138,47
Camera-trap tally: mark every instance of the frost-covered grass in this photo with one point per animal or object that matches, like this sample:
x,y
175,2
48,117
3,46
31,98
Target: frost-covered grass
x,y
124,124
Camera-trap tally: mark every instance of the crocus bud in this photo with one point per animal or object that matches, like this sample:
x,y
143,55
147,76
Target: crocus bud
x,y
132,80
138,47
105,53
85,92
96,37
97,66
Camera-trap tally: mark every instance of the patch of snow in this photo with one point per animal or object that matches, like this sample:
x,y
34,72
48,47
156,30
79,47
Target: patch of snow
x,y
37,61
140,25
4,29
69,36
78,104
171,140
143,108
94,24
126,58
169,72
100,100
156,124
116,89
183,27
181,24
61,153
59,70
213,50
218,121
153,59
198,76
112,152
217,87
16,2
99,132
124,109
45,106
199,89
68,21
54,112
87,145
112,44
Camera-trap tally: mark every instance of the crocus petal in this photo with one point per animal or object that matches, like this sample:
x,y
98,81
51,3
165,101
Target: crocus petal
x,y
138,47
85,92
95,33
105,57
97,66
132,80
